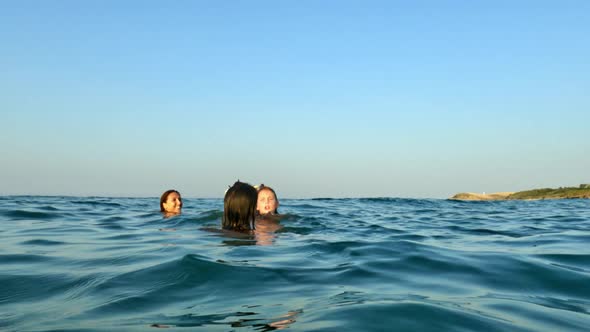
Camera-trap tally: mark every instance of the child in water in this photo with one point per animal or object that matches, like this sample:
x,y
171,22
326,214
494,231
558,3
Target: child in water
x,y
267,218
239,208
267,202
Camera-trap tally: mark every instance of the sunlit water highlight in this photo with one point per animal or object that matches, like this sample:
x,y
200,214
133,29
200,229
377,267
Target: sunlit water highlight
x,y
105,264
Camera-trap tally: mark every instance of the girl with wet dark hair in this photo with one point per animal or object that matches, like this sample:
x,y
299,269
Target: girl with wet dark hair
x,y
239,208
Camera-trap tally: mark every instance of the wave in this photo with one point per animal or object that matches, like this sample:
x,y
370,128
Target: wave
x,y
29,215
369,264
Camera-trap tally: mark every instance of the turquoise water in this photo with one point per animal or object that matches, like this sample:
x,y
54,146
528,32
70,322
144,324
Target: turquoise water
x,y
105,264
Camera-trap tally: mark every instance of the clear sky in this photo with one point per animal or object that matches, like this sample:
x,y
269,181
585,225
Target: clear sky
x,y
315,98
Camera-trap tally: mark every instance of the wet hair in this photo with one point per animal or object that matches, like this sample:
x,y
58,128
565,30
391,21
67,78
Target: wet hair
x,y
164,198
262,187
239,207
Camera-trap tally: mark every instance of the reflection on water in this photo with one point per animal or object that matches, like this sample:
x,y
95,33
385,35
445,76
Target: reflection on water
x,y
237,319
263,235
167,215
266,226
105,264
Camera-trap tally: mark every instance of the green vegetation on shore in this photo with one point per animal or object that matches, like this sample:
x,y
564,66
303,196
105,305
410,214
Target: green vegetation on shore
x,y
583,191
549,193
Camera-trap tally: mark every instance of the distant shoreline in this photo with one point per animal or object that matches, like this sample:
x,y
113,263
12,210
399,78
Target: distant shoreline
x,y
583,191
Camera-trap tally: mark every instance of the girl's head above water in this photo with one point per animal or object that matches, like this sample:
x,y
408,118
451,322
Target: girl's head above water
x,y
171,202
239,207
267,201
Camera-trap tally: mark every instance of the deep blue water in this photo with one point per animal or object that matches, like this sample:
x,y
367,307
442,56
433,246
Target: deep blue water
x,y
105,264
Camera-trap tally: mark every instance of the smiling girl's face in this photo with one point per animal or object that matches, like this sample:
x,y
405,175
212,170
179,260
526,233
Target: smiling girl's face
x,y
173,203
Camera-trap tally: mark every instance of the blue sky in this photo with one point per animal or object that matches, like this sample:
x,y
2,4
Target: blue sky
x,y
315,98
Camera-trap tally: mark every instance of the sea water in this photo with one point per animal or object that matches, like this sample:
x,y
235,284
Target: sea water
x,y
375,264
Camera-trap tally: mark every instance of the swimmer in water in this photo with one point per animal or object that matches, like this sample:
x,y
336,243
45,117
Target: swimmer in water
x,y
267,201
239,208
267,215
170,203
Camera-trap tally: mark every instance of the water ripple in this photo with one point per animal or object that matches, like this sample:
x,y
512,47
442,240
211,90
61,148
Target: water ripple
x,y
367,264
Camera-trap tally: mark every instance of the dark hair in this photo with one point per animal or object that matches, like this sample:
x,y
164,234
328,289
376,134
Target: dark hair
x,y
239,207
262,187
164,197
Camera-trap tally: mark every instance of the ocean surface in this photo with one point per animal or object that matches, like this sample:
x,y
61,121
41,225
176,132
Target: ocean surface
x,y
375,264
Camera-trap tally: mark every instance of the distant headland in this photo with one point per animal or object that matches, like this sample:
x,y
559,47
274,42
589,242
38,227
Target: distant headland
x,y
583,191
